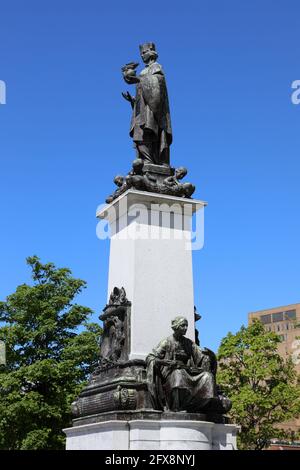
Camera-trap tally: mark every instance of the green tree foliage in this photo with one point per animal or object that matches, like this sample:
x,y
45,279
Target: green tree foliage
x,y
262,386
48,359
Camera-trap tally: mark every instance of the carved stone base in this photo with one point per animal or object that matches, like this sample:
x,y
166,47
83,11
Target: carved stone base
x,y
149,414
159,172
115,387
161,179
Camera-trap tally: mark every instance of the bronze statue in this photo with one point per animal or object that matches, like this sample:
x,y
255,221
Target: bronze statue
x,y
145,180
151,124
151,132
113,336
181,375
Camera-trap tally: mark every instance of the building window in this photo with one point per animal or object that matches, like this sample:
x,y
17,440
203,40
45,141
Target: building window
x,y
277,316
265,319
290,314
278,327
287,326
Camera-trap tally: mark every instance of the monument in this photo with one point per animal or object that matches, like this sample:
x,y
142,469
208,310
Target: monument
x,y
151,389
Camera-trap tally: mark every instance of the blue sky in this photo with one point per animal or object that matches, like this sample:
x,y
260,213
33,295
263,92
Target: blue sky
x,y
64,135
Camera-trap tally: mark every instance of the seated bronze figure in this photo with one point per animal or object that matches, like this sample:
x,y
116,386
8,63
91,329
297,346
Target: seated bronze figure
x,y
181,375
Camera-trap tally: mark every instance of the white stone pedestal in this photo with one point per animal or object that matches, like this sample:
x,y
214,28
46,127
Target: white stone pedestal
x,y
151,257
152,435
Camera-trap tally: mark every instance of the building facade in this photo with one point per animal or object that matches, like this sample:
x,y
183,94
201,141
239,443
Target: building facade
x,y
284,321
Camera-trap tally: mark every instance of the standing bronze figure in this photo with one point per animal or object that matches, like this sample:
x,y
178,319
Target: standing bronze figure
x,y
151,124
151,132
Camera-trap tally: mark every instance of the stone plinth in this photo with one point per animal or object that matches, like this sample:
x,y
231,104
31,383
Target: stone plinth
x,y
151,257
152,434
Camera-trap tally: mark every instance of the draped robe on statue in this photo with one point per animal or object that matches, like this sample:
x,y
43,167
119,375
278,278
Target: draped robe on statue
x,y
151,124
192,378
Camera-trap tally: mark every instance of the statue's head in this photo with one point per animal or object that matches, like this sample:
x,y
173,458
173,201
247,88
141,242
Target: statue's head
x,y
137,166
148,52
180,172
180,325
119,180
